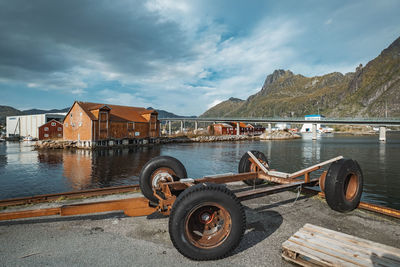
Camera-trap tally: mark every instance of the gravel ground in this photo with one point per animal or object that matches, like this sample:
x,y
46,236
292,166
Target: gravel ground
x,y
112,239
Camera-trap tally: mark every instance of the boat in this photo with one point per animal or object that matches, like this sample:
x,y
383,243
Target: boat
x,y
28,138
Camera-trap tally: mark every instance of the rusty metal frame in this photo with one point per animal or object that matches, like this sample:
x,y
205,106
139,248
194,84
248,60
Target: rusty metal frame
x,y
142,206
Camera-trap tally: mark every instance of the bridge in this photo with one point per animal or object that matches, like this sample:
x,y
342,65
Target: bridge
x,y
382,123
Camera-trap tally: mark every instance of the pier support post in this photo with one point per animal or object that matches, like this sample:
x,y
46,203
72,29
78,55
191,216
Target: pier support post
x,y
195,126
269,128
382,133
169,127
238,129
181,126
314,131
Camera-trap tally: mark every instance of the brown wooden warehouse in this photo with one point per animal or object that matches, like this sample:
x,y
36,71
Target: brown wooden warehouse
x,y
51,130
100,124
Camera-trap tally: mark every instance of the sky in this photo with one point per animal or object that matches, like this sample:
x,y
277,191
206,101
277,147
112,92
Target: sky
x,y
180,56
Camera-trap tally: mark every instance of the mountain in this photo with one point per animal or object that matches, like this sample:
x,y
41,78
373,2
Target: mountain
x,y
41,111
8,111
370,91
223,109
165,114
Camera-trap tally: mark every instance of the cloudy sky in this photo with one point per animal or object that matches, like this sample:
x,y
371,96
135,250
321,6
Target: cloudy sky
x,y
181,56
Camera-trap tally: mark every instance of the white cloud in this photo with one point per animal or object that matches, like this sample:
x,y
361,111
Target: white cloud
x,y
215,102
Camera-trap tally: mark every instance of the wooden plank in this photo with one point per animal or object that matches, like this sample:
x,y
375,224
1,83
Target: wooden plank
x,y
279,174
313,245
314,167
346,250
354,240
262,167
310,255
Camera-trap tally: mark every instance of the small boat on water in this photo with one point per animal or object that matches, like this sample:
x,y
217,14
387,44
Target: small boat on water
x,y
28,138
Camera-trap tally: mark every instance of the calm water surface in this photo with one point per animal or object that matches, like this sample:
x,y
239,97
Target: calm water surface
x,y
25,172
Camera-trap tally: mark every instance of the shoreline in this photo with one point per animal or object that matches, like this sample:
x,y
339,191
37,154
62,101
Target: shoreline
x,y
61,144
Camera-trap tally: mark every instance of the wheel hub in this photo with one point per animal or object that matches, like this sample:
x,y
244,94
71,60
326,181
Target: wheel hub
x,y
161,177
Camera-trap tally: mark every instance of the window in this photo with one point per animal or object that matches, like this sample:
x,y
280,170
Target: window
x,y
46,135
59,129
80,124
59,135
70,115
103,116
46,129
80,114
53,124
131,126
66,124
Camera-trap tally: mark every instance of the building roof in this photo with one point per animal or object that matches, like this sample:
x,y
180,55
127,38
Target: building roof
x,y
50,121
223,125
117,112
241,124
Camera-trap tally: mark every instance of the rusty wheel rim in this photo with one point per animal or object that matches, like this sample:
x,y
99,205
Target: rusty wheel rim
x,y
161,175
208,225
351,186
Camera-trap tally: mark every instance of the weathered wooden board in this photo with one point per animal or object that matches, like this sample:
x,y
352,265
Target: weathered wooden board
x,y
316,246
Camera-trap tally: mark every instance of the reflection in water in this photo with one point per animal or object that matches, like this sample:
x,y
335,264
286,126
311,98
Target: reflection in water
x,y
78,168
101,168
25,172
382,153
311,152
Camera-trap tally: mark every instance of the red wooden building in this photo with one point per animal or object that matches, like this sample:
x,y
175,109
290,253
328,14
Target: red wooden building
x,y
51,130
231,128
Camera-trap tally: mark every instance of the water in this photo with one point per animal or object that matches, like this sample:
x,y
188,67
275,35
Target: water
x,y
25,172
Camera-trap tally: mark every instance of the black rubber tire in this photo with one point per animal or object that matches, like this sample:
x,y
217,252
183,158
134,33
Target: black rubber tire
x,y
194,197
244,166
340,175
154,164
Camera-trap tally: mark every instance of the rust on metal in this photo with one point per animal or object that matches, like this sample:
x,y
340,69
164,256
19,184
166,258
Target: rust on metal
x,y
275,179
165,201
142,206
314,167
28,214
207,226
372,207
131,207
69,195
322,181
259,192
351,186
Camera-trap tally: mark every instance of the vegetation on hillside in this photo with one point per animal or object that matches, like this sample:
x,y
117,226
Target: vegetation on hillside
x,y
371,91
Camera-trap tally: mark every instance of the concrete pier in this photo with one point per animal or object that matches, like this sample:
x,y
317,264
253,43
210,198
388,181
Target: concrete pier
x,y
314,131
181,126
195,127
382,133
238,128
269,128
169,127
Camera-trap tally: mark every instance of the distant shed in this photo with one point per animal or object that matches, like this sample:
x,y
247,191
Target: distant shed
x,y
51,130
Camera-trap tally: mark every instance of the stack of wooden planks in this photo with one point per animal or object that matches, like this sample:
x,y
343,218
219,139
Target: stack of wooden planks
x,y
316,246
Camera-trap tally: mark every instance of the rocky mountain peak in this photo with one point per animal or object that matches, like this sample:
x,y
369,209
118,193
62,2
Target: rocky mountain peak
x,y
234,99
271,78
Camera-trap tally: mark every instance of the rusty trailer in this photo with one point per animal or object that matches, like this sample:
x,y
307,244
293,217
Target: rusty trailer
x,y
206,219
